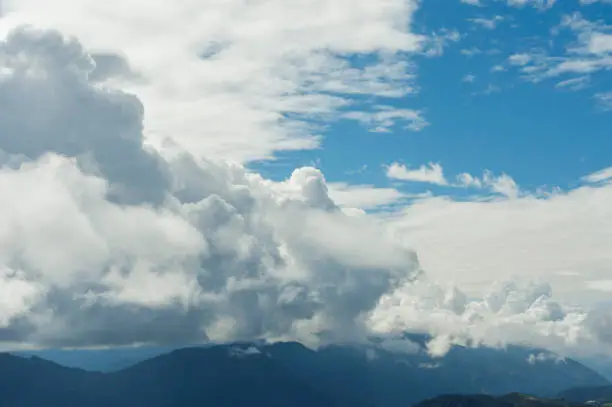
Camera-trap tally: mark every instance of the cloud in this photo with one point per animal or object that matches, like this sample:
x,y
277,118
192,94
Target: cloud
x,y
110,243
472,2
544,357
470,52
165,246
519,59
193,64
599,176
469,78
383,118
561,238
488,23
574,84
589,52
72,117
505,313
435,44
540,4
587,2
604,99
432,173
364,196
502,184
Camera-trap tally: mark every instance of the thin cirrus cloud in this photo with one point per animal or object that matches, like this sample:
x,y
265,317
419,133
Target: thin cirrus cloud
x,y
589,53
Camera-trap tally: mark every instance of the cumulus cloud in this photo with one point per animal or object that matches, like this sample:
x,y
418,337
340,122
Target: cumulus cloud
x,y
46,78
502,184
432,173
111,243
561,237
507,313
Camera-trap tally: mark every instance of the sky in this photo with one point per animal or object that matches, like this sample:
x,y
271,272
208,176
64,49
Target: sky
x,y
316,170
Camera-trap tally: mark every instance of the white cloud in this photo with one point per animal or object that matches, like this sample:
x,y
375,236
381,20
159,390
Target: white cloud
x,y
469,78
545,357
604,99
562,238
472,2
382,118
590,52
541,4
505,313
502,184
519,59
470,52
432,173
273,64
599,176
110,242
106,238
488,23
363,196
587,2
435,44
577,83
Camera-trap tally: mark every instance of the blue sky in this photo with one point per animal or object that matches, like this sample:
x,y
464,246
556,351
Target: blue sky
x,y
539,134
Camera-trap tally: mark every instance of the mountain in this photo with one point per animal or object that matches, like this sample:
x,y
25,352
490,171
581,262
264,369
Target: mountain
x,y
587,393
217,376
508,400
400,379
98,360
289,374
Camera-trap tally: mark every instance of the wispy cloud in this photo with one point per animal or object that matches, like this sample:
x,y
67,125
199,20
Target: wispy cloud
x,y
383,118
433,173
578,83
599,176
502,184
469,78
470,52
472,2
197,81
540,4
604,100
488,23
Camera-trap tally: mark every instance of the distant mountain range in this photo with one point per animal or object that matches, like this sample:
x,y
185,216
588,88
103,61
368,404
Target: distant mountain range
x,y
508,400
284,374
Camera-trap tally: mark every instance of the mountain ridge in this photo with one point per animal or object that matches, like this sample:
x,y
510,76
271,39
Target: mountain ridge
x,y
288,373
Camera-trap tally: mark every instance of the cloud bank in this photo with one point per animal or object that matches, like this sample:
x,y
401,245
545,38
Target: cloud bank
x,y
109,241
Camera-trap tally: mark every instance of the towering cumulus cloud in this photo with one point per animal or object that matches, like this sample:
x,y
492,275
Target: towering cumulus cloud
x,y
106,242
